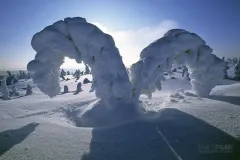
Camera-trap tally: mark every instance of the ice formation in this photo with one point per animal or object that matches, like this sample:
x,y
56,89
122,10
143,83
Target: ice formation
x,y
77,39
183,48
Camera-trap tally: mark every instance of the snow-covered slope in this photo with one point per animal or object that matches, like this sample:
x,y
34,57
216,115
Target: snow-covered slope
x,y
178,125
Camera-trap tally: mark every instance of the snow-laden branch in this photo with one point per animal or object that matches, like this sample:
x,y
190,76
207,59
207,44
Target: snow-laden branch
x,y
77,39
184,48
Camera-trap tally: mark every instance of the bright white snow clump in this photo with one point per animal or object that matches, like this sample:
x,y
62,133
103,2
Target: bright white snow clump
x,y
183,48
77,39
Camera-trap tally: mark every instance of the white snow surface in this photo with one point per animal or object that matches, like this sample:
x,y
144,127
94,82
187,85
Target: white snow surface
x,y
38,127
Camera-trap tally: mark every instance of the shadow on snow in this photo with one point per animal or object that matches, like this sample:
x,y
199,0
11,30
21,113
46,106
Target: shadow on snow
x,y
11,137
169,135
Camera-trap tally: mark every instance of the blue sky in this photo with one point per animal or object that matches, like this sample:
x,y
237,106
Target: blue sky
x,y
217,21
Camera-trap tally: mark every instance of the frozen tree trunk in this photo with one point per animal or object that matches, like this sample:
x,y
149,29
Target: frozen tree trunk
x,y
29,90
65,89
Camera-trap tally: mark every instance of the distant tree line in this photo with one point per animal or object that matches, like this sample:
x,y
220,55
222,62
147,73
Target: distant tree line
x,y
13,78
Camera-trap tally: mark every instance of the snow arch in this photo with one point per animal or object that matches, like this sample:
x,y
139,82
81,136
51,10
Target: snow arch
x,y
183,48
77,39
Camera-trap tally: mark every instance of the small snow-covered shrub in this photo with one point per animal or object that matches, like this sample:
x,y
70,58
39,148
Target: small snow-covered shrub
x,y
65,89
79,87
86,81
4,90
14,91
237,70
29,90
173,70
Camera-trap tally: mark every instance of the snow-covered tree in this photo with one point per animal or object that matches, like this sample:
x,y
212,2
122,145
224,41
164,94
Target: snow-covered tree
x,y
29,75
223,58
29,90
187,77
24,75
4,90
86,81
184,69
93,86
79,87
237,70
225,70
11,79
229,61
77,74
14,91
205,68
87,70
63,73
20,74
235,60
77,39
65,89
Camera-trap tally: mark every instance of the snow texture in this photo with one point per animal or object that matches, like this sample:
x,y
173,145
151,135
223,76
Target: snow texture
x,y
77,39
183,48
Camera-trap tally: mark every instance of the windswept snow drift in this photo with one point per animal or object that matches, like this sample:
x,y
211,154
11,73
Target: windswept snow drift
x,y
185,48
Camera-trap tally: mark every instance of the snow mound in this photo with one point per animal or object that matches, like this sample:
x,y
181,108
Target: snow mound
x,y
102,114
178,94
